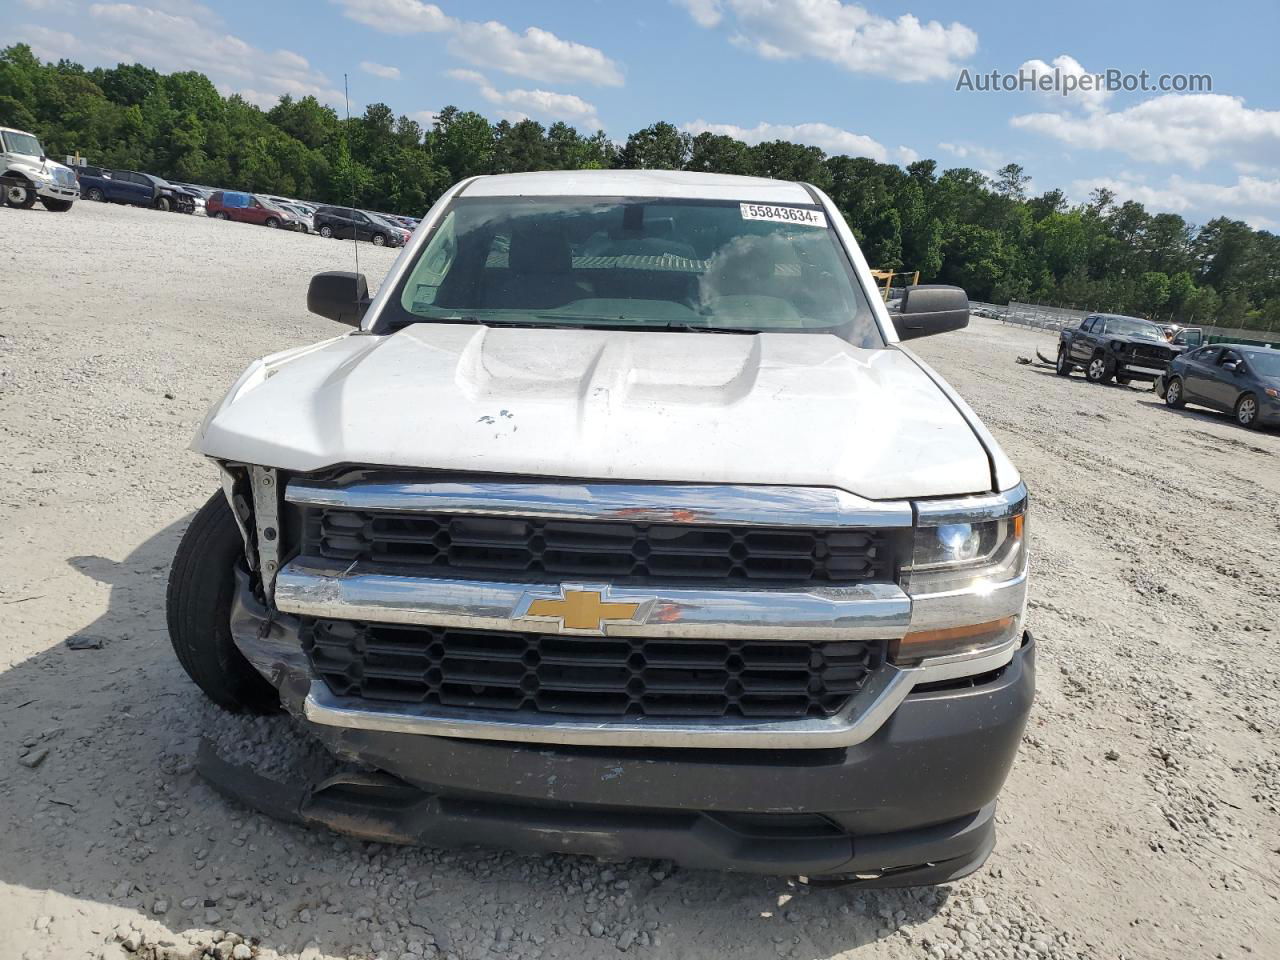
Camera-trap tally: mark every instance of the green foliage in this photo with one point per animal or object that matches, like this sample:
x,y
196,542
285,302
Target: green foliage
x,y
954,226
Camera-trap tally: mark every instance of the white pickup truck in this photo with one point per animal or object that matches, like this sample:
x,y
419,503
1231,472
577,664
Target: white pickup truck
x,y
623,524
26,174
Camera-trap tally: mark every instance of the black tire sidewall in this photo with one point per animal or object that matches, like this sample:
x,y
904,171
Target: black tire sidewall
x,y
326,231
1173,397
201,590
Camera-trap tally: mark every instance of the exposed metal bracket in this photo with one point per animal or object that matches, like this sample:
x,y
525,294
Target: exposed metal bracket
x,y
233,483
266,515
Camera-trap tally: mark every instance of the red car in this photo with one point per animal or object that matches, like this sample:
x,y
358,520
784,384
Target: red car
x,y
250,208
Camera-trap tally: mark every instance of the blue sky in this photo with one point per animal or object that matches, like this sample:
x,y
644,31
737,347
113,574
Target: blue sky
x,y
874,78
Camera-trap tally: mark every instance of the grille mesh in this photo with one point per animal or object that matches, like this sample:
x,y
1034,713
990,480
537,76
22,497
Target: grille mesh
x,y
613,550
596,676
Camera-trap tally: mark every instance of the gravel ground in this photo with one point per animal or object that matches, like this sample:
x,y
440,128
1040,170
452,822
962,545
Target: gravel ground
x,y
1141,820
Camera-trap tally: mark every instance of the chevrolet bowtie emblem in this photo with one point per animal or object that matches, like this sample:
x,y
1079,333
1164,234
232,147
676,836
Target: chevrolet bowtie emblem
x,y
579,608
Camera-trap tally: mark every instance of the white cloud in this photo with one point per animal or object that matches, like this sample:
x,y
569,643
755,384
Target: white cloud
x,y
822,135
398,16
47,44
427,118
705,13
519,104
48,6
1064,72
1190,128
536,53
969,151
380,70
172,35
845,34
1247,198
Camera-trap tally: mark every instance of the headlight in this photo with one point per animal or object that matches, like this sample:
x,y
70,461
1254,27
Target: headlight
x,y
1273,393
966,576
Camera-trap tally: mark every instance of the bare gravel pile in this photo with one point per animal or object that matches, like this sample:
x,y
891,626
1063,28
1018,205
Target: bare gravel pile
x,y
1140,821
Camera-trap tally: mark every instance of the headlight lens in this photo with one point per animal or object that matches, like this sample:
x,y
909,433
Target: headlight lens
x,y
961,555
1273,393
965,578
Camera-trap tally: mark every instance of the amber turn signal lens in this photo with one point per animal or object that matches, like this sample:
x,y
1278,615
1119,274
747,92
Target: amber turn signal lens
x,y
951,640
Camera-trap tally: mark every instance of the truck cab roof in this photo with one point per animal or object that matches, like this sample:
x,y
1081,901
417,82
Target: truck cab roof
x,y
638,183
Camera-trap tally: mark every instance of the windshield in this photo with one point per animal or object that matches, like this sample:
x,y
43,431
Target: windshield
x,y
22,143
1140,329
1264,363
650,264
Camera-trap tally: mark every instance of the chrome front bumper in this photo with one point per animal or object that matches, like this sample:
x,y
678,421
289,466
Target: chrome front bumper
x,y
869,611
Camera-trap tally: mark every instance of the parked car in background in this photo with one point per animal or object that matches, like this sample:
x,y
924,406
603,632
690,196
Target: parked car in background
x,y
305,215
28,175
134,188
1109,347
348,224
201,194
251,208
1238,379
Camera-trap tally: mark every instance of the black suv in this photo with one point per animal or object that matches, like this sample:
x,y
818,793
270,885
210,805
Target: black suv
x,y
1110,346
348,224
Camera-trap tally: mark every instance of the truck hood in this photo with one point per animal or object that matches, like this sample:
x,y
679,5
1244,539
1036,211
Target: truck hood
x,y
793,409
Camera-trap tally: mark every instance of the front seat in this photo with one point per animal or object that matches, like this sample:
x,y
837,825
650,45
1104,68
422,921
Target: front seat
x,y
539,270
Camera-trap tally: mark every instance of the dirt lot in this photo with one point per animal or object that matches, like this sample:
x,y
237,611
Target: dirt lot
x,y
1142,818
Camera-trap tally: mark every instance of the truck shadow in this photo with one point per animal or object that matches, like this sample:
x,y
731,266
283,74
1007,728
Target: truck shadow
x,y
116,821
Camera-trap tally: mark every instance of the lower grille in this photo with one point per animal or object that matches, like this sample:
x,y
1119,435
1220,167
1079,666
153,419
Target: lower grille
x,y
591,676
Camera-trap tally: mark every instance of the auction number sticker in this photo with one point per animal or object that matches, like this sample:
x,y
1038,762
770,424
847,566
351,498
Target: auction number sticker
x,y
801,216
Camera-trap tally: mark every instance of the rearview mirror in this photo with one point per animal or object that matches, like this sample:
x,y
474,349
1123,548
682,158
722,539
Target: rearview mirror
x,y
339,295
927,309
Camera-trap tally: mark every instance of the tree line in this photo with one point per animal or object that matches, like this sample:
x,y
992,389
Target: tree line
x,y
954,226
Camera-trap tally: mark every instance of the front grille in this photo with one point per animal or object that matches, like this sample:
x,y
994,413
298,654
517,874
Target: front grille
x,y
1159,355
622,677
621,552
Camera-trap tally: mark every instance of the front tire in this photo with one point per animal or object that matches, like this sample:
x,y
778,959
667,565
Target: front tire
x,y
1064,366
326,231
1247,411
1100,369
222,215
163,204
378,240
57,206
21,196
1173,394
95,195
272,222
202,586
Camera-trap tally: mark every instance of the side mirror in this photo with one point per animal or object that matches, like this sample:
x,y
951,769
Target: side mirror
x,y
931,308
339,295
1230,365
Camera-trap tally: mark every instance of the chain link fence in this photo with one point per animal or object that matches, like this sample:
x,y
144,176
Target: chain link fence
x,y
1053,319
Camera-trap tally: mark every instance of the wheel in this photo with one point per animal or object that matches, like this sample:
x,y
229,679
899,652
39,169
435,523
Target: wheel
x,y
378,240
222,215
19,195
1064,366
272,222
1099,369
163,204
1247,411
57,206
326,231
95,194
198,607
302,228
1173,394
